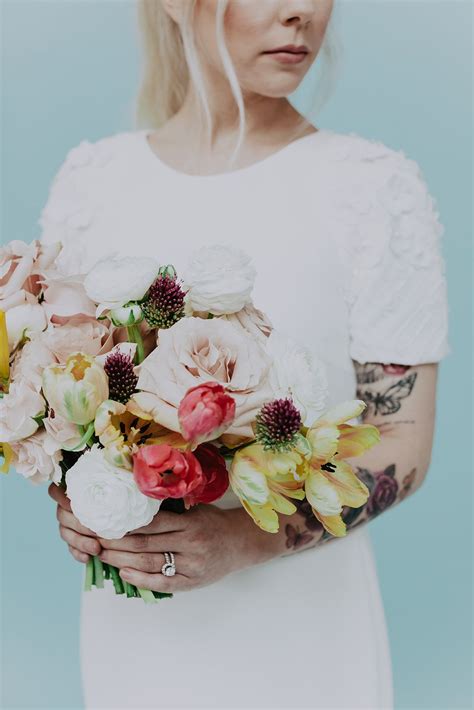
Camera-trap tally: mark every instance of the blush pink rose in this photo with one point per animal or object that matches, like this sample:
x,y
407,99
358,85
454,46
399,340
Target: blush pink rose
x,y
205,412
216,476
194,352
21,268
80,335
163,472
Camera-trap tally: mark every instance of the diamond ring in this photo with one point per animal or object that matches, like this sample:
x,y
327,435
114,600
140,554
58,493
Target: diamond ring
x,y
169,568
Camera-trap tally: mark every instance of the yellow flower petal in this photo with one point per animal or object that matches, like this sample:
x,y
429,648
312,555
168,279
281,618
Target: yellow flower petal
x,y
263,515
4,352
247,481
6,452
321,494
281,504
343,411
355,440
324,442
351,490
334,524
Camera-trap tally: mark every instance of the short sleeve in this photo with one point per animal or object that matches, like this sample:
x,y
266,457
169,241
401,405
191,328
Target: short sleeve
x,y
398,308
72,197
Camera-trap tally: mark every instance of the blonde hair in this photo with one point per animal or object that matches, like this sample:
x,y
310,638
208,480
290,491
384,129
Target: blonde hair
x,y
171,61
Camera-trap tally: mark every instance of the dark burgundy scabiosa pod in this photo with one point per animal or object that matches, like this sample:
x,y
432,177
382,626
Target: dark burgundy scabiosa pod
x,y
164,303
277,425
119,368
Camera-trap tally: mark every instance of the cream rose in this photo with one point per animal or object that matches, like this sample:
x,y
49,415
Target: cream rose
x,y
219,280
252,320
106,498
19,407
23,322
194,351
30,362
37,459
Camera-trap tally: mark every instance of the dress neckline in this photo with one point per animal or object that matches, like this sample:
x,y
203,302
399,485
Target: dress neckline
x,y
154,158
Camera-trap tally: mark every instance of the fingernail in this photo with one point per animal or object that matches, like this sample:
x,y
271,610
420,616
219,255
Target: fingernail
x,y
126,573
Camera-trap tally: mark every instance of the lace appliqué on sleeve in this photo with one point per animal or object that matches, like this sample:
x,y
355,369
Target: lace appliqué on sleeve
x,y
396,284
71,203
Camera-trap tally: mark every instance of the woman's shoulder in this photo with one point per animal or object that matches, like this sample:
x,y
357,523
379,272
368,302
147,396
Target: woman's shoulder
x,y
384,203
98,153
380,178
83,180
356,151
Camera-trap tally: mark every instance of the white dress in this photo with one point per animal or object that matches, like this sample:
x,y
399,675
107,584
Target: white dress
x,y
346,241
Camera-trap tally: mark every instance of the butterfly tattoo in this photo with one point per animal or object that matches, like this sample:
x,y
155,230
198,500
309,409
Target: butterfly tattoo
x,y
295,538
390,401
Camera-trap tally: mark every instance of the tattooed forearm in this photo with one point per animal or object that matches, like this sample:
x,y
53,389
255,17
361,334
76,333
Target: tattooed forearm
x,y
383,398
385,491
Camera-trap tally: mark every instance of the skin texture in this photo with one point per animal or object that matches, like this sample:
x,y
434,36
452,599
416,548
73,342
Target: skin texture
x,y
251,28
209,542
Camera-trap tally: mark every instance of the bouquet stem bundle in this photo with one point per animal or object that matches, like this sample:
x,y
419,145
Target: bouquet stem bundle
x,y
98,571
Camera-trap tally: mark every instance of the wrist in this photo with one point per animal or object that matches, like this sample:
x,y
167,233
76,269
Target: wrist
x,y
251,544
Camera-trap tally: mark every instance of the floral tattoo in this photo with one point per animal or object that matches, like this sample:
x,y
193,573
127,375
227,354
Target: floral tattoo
x,y
385,491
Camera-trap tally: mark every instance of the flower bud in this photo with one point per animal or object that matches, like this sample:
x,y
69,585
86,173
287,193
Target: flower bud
x,y
129,314
205,412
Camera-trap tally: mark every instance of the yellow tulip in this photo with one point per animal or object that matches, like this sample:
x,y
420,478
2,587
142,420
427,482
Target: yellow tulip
x,y
121,428
6,452
331,482
75,390
263,481
4,353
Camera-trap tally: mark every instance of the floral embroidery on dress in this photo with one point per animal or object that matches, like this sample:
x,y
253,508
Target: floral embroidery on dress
x,y
70,208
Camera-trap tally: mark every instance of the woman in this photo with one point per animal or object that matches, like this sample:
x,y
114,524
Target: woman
x,y
345,238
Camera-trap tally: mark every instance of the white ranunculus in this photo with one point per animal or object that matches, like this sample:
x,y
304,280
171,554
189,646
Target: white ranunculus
x,y
106,498
219,280
24,321
114,282
298,374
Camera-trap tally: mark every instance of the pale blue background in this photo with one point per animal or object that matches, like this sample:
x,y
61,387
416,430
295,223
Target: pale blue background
x,y
70,71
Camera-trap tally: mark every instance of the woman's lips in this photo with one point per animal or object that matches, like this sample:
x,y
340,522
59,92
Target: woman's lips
x,y
288,57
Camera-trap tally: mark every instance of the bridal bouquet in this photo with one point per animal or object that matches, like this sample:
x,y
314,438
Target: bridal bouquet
x,y
134,389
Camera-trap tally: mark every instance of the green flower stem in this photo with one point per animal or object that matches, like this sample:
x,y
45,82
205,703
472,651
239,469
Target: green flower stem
x,y
129,590
116,579
162,595
106,570
147,596
89,575
135,336
86,434
99,572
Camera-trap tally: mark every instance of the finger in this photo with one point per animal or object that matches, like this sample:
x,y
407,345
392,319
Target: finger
x,y
144,561
164,521
69,520
80,542
57,493
162,542
78,555
155,582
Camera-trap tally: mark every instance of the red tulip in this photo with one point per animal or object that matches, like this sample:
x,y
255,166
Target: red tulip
x,y
216,477
163,472
205,412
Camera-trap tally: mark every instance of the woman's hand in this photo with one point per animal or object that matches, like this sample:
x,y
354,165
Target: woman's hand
x,y
81,541
208,543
